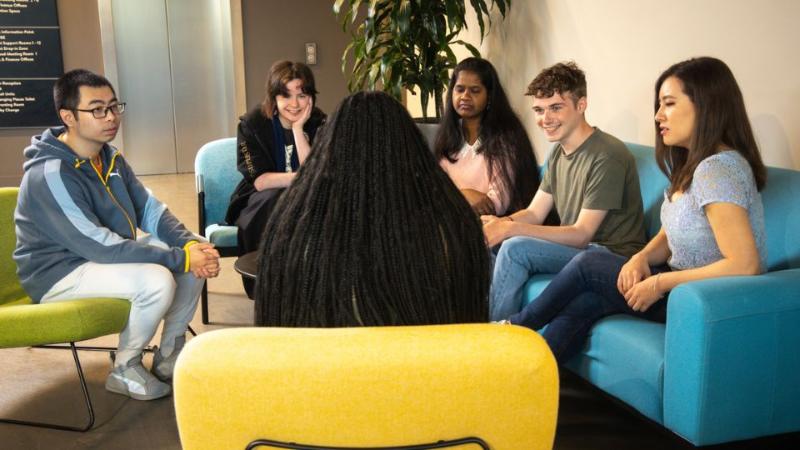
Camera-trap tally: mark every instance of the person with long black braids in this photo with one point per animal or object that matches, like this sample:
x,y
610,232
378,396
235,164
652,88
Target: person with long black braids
x,y
482,144
372,231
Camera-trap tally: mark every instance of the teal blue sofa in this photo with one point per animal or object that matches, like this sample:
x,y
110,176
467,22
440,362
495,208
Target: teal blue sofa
x,y
726,365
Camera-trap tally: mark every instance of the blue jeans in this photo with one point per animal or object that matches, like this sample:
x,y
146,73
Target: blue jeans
x,y
519,259
583,292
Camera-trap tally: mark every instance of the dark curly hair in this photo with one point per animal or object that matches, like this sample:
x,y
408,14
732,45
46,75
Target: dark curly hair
x,y
372,231
559,79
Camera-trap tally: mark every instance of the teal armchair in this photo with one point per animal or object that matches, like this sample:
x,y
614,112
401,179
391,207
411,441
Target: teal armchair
x,y
216,178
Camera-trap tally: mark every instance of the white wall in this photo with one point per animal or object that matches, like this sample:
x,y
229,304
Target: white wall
x,y
623,45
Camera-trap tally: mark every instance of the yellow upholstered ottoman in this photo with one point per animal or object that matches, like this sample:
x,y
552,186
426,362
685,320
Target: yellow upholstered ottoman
x,y
367,387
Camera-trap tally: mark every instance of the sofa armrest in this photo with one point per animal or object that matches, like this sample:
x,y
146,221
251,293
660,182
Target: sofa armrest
x,y
732,357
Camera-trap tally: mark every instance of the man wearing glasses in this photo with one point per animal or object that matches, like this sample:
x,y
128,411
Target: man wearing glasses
x,y
77,216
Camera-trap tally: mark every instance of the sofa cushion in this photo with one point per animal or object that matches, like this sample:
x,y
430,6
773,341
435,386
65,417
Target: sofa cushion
x,y
222,235
534,286
624,356
652,183
781,216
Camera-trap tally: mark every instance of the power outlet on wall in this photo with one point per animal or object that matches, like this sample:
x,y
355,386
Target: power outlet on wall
x,y
311,53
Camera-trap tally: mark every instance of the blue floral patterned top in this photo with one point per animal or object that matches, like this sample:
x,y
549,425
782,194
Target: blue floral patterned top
x,y
723,177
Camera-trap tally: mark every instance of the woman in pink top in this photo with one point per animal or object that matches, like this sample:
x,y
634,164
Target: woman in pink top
x,y
482,144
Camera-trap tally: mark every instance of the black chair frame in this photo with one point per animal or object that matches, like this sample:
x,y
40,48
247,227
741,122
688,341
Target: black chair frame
x,y
439,444
224,252
86,399
74,348
93,348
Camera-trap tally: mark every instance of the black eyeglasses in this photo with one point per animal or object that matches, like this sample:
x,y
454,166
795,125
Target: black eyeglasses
x,y
102,111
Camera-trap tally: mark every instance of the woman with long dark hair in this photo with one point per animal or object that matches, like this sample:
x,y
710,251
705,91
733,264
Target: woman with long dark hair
x,y
712,216
371,232
272,141
482,144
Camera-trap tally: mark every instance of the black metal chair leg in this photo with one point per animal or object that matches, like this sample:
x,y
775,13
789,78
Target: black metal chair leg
x,y
204,303
191,330
148,349
85,397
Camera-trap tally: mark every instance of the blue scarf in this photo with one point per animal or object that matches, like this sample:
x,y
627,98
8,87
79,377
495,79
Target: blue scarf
x,y
279,151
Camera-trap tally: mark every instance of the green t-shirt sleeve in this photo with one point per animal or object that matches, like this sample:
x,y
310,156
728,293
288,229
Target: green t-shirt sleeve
x,y
546,182
606,186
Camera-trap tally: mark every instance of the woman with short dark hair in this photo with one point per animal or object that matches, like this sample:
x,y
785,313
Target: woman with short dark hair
x,y
272,141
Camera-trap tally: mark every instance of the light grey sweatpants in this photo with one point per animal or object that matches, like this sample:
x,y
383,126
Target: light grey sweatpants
x,y
154,291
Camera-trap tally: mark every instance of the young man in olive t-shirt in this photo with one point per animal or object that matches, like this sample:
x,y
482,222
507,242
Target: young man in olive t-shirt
x,y
591,181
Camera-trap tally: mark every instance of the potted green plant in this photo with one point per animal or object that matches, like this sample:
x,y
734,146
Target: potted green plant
x,y
406,44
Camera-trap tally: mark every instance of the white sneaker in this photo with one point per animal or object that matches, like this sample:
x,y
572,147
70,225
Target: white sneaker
x,y
502,322
136,382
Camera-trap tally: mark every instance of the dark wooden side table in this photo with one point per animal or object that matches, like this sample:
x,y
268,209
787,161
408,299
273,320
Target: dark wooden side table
x,y
247,265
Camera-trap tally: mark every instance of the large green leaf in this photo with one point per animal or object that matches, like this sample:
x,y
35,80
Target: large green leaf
x,y
355,4
337,6
476,4
475,52
407,43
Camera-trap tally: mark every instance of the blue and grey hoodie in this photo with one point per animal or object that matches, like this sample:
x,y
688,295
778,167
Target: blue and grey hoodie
x,y
69,213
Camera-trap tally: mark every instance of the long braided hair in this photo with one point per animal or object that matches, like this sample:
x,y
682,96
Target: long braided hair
x,y
372,231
